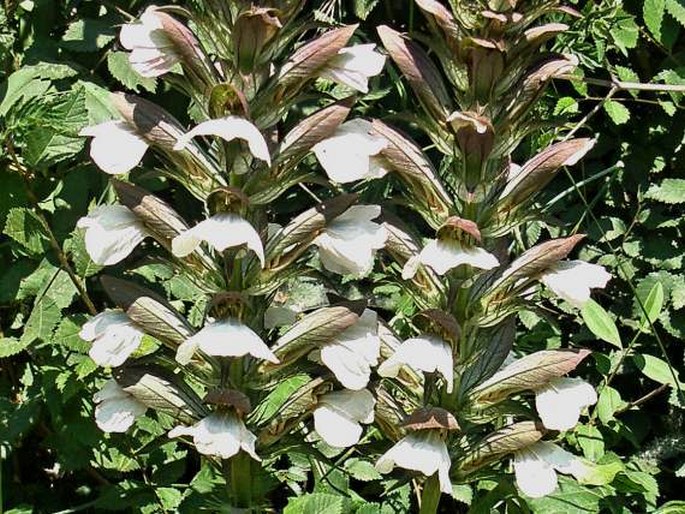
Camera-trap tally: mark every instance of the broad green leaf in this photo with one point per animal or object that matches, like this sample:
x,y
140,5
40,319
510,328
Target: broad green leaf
x,y
30,82
657,369
670,191
653,14
652,306
570,498
462,493
625,32
120,68
618,112
88,35
591,441
275,400
24,226
608,403
672,507
600,323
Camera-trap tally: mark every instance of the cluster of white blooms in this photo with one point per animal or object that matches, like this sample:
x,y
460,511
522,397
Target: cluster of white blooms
x,y
346,245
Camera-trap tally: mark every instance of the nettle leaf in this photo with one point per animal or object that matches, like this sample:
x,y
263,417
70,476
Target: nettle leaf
x,y
31,82
670,191
653,14
571,497
88,35
362,8
625,32
315,503
618,112
56,137
600,323
676,9
120,68
11,346
361,470
26,228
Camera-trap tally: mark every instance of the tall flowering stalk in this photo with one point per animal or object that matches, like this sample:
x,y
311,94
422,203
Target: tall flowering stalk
x,y
443,403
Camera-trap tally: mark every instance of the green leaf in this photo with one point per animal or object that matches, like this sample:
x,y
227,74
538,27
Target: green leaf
x,y
676,9
591,441
600,323
120,68
361,470
657,369
462,493
672,507
653,14
317,503
652,306
670,191
570,498
24,226
608,403
31,82
618,112
362,8
277,398
10,346
88,35
625,32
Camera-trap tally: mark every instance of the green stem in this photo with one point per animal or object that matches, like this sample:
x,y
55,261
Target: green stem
x,y
241,480
430,497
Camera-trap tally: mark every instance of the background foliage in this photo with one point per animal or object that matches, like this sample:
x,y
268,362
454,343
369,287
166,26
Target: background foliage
x,y
58,59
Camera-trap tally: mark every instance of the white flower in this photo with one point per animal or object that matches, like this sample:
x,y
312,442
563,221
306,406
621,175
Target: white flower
x,y
116,410
114,338
443,255
572,280
535,465
226,338
561,400
116,148
351,153
423,451
352,353
221,231
348,244
338,415
152,51
112,232
220,434
230,128
353,66
424,353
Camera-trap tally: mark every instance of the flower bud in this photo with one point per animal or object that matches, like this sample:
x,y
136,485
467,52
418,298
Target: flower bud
x,y
252,31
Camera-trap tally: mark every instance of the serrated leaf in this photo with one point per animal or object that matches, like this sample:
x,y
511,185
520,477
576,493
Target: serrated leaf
x,y
625,32
120,68
600,323
30,82
676,9
653,14
618,112
11,346
361,470
24,226
670,191
316,503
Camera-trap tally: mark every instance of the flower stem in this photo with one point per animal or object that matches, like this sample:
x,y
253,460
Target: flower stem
x,y
241,480
430,498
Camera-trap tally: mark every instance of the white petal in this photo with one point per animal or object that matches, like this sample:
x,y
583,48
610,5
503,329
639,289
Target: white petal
x,y
112,232
423,451
347,155
349,242
230,338
221,231
424,353
534,477
230,128
335,428
116,410
561,401
153,53
115,147
442,256
352,353
354,65
186,350
572,280
114,338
